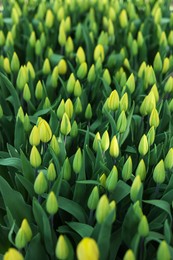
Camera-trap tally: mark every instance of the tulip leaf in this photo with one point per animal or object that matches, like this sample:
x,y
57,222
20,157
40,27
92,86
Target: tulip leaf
x,y
83,230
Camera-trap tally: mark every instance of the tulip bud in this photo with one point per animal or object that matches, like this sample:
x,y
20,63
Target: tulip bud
x,y
2,38
142,69
91,74
113,100
129,255
124,102
96,141
71,83
60,13
80,55
9,39
54,145
46,67
143,227
168,162
141,170
7,65
143,145
22,78
151,136
150,77
30,70
137,209
44,131
93,198
67,169
88,112
154,118
77,89
51,172
62,250
159,172
35,158
38,48
12,253
171,105
65,126
27,230
163,251
123,19
69,108
34,138
32,39
106,76
61,109
54,77
122,122
105,141
135,188
78,106
157,64
49,20
15,63
102,180
20,239
112,179
87,249
62,67
1,112
74,129
99,53
102,209
131,83
40,184
39,90
114,147
69,46
46,103
26,93
82,70
154,90
20,114
166,65
163,40
51,203
62,36
77,161
169,85
127,169
140,39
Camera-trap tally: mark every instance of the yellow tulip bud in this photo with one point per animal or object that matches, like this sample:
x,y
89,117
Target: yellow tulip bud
x,y
114,147
87,249
35,158
131,83
77,161
13,254
159,172
71,83
102,180
20,114
62,250
46,67
143,145
122,122
22,78
44,131
142,69
129,255
77,89
143,227
62,67
34,138
51,203
27,230
99,52
69,108
20,239
123,19
7,65
154,118
105,141
40,184
69,46
127,169
124,102
168,162
91,74
102,210
51,172
154,89
113,100
49,20
62,36
166,65
80,55
2,38
106,76
163,251
54,145
169,85
65,126
32,39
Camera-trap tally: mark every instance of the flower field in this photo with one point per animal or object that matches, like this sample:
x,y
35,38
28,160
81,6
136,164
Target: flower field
x,y
86,130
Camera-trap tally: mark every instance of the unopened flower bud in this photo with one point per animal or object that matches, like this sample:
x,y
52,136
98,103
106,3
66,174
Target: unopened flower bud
x,y
82,70
74,129
124,102
155,91
51,172
69,46
143,145
67,169
129,255
106,76
143,227
46,67
20,114
38,48
35,158
62,249
62,67
15,63
114,147
159,172
113,100
61,109
96,141
71,83
123,19
88,112
127,169
154,118
2,38
137,209
20,239
168,162
141,170
51,203
99,53
87,249
78,106
122,122
1,112
169,85
77,161
7,65
157,64
27,230
112,179
131,83
91,74
105,141
26,93
65,126
151,136
69,108
34,138
12,254
30,70
102,180
135,188
44,131
166,65
62,36
102,209
49,20
80,55
32,39
93,198
54,145
77,89
163,251
39,90
22,78
40,184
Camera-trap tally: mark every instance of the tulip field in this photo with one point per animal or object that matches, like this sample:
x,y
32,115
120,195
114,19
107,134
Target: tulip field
x,y
86,130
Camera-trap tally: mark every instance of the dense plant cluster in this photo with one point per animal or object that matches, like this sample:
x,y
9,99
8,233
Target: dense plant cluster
x,y
86,131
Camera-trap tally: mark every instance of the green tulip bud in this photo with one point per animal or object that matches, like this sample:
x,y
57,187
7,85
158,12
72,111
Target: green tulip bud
x,y
140,39
77,89
12,253
91,74
166,65
9,39
51,172
113,100
65,126
51,203
143,227
143,145
151,136
168,162
32,39
22,77
106,76
80,55
26,124
102,209
150,77
163,40
129,255
38,48
54,145
131,83
171,105
137,209
30,70
62,67
93,198
154,118
35,158
87,249
134,48
67,169
127,169
135,188
40,184
68,108
62,35
74,129
99,53
123,19
124,102
163,251
126,64
68,24
71,83
20,114
112,179
122,122
82,70
157,64
102,180
20,239
44,131
49,20
7,65
60,13
170,39
62,250
61,109
43,41
105,141
78,106
169,85
96,141
154,90
34,138
78,32
69,46
141,170
46,67
15,63
39,90
159,172
77,161
54,77
88,112
26,93
2,38
142,69
114,147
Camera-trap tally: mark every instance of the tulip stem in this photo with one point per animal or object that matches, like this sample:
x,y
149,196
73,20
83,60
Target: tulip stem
x,y
90,219
141,248
156,190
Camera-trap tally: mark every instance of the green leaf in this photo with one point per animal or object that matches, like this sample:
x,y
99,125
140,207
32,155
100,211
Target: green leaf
x,y
13,162
167,232
83,230
27,169
121,191
27,185
19,135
